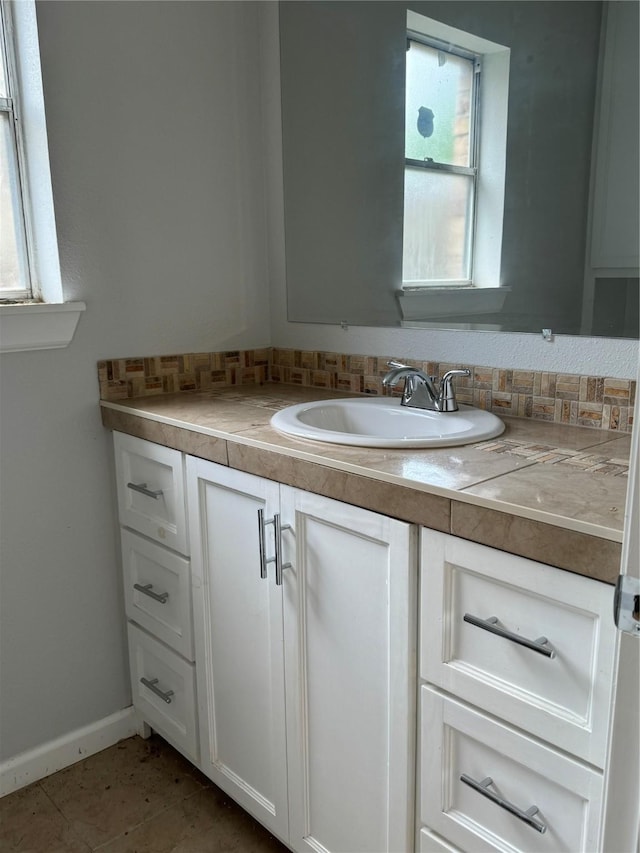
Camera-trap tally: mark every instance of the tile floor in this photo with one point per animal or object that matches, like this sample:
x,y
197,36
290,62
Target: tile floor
x,y
135,797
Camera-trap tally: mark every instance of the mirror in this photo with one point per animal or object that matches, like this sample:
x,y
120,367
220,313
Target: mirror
x,y
343,87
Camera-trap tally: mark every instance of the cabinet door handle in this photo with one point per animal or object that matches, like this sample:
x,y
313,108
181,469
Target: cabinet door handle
x,y
279,527
142,488
542,646
262,545
525,816
264,560
151,685
147,589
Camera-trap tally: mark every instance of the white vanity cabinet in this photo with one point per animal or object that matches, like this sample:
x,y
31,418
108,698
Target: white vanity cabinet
x,y
306,690
273,640
516,662
157,588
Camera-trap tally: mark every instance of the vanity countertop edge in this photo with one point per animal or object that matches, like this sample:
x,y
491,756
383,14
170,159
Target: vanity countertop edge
x,y
535,491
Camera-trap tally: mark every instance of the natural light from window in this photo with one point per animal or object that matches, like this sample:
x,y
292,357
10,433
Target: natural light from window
x,y
440,167
33,313
14,268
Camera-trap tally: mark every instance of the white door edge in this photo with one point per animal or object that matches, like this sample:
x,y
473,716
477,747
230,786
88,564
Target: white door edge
x,y
621,821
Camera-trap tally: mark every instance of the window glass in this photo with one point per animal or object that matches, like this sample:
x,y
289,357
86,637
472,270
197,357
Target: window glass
x,y
437,224
439,89
14,267
12,254
3,75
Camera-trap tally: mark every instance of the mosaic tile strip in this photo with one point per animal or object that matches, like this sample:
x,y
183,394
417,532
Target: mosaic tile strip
x,y
592,401
125,378
581,460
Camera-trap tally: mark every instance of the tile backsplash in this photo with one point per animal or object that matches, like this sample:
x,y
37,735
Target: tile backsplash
x,y
125,378
594,401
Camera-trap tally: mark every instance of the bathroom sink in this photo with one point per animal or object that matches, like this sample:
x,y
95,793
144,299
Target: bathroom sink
x,y
383,422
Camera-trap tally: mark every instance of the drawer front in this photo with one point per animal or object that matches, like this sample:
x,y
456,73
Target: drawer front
x,y
157,590
430,843
164,691
150,484
559,690
507,775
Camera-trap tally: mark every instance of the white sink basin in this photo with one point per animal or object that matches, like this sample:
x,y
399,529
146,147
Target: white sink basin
x,y
383,422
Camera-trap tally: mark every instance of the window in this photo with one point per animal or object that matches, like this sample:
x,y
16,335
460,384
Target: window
x,y
15,276
33,314
442,84
455,167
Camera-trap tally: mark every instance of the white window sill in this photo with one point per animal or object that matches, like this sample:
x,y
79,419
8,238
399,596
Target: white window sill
x,y
430,304
40,325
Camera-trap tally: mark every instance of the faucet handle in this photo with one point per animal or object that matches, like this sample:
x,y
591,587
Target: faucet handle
x,y
451,373
396,365
447,398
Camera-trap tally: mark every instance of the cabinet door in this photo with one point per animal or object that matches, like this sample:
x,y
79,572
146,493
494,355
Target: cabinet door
x,y
350,647
239,644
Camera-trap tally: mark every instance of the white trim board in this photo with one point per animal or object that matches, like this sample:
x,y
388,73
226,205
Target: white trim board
x,y
48,758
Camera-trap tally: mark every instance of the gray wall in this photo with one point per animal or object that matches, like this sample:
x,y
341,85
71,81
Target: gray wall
x,y
153,116
343,158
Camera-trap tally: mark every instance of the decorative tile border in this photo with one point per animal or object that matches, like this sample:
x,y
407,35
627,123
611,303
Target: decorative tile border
x,y
580,460
125,378
593,401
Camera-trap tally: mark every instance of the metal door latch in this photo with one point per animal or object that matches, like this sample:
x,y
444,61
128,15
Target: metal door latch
x,y
626,605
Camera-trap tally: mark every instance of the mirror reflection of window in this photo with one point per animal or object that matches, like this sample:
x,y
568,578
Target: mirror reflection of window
x,y
440,163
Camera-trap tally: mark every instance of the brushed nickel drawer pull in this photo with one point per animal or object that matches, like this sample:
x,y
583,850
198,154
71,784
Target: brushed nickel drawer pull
x,y
151,685
525,816
142,488
147,589
542,646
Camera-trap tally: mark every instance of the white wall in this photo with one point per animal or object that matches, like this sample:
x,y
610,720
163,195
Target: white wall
x,y
157,175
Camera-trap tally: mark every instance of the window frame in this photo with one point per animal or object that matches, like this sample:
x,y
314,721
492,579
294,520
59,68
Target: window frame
x,y
11,107
471,171
43,321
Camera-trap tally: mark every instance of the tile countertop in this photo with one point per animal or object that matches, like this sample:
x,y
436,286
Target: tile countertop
x,y
548,492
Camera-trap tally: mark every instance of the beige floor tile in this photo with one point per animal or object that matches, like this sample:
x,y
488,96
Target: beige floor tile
x,y
119,788
207,822
30,823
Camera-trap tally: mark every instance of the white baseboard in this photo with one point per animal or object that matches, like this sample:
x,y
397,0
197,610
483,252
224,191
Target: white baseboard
x,y
57,754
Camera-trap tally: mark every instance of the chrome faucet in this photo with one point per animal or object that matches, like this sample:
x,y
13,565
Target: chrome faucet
x,y
421,391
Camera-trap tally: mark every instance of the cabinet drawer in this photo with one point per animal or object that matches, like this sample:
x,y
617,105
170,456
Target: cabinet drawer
x,y
559,690
164,691
157,590
430,843
150,485
460,742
